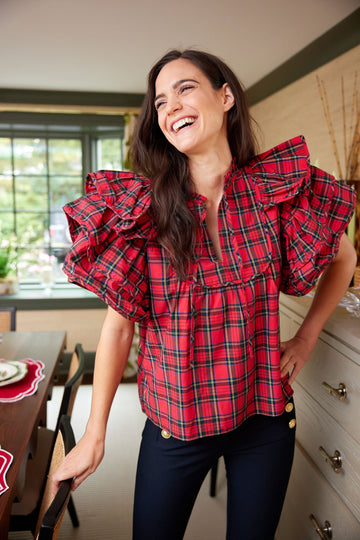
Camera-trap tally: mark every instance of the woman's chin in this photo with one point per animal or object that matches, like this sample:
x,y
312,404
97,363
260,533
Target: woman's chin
x,y
189,148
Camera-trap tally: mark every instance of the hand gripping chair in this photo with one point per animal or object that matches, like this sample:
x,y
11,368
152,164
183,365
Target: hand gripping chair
x,y
52,509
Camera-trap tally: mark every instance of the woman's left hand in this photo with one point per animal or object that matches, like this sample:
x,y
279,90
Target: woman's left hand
x,y
294,355
331,287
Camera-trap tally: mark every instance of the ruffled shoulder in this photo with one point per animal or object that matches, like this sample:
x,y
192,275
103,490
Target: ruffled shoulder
x,y
313,211
281,173
109,227
113,198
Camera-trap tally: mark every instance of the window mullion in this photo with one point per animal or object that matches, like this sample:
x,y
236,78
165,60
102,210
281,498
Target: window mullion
x,y
13,185
87,157
48,187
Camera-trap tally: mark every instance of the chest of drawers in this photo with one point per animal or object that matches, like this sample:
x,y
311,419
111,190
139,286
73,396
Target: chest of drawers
x,y
323,498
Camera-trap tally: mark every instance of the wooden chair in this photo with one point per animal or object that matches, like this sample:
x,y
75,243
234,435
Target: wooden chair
x,y
74,379
7,319
52,509
24,512
213,476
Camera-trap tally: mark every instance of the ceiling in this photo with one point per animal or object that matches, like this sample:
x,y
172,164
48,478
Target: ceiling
x,y
109,45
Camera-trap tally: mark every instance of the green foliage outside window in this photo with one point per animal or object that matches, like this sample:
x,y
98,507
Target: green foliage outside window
x,y
38,176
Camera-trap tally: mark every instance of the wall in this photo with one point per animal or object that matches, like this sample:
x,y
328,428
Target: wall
x,y
82,325
297,109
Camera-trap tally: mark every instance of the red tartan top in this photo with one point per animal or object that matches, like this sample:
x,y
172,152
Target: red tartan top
x,y
209,345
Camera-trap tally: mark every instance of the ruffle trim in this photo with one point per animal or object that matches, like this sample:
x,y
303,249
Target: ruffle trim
x,y
282,172
113,200
314,211
110,226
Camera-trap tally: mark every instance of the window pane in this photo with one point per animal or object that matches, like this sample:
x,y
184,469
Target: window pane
x,y
34,262
65,156
5,155
59,231
30,156
27,264
37,222
64,189
6,194
7,225
31,193
109,154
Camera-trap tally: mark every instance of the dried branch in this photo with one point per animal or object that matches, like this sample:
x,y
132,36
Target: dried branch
x,y
351,134
344,120
326,108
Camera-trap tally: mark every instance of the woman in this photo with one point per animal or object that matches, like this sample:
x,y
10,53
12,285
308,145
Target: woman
x,y
196,250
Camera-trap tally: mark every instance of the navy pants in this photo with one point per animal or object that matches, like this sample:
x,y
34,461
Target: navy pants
x,y
258,458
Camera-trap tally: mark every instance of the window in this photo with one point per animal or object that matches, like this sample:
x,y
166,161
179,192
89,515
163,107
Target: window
x,y
43,162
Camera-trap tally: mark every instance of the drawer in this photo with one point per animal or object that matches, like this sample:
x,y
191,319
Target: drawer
x,y
315,428
309,493
326,364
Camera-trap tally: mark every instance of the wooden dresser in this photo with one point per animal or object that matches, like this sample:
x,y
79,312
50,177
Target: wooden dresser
x,y
325,480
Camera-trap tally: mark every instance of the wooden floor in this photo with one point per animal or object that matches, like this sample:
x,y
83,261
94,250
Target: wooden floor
x,y
104,501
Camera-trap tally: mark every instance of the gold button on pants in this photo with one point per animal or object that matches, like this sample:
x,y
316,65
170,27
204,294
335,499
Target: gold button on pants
x,y
289,407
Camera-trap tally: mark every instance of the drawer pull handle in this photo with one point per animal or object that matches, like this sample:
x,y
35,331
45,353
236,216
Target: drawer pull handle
x,y
325,533
335,461
339,393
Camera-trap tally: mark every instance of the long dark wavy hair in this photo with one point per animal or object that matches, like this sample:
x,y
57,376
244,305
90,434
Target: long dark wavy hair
x,y
168,170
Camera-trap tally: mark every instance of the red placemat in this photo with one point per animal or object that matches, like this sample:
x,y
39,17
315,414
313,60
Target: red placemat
x,y
27,386
5,462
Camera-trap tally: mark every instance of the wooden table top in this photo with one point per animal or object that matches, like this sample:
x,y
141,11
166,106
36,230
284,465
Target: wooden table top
x,y
19,420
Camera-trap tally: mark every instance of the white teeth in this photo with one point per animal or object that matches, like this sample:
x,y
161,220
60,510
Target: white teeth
x,y
180,123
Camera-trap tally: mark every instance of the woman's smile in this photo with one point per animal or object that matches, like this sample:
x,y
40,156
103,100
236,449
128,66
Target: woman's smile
x,y
183,123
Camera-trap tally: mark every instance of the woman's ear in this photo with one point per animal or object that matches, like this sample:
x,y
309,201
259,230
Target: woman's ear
x,y
229,99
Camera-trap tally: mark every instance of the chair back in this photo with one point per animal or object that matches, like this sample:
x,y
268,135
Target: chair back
x,y
75,377
52,509
7,319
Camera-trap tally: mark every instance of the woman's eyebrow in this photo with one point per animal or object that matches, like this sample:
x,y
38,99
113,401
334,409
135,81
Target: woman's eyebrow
x,y
175,86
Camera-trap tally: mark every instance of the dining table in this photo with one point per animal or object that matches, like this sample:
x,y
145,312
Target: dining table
x,y
19,420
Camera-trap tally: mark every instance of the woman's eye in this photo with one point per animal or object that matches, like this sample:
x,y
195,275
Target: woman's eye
x,y
159,104
185,88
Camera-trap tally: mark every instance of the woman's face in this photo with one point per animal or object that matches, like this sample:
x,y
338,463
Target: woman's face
x,y
191,114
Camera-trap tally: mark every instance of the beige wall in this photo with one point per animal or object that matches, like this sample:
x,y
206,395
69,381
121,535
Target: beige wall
x,y
297,109
82,325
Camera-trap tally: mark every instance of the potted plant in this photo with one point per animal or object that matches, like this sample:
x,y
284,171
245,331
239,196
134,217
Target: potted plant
x,y
8,279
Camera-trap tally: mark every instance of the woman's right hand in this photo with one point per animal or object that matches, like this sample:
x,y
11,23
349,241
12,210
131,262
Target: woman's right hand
x,y
110,361
80,462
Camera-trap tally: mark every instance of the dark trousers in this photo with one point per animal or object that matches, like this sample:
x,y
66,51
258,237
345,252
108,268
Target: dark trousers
x,y
258,458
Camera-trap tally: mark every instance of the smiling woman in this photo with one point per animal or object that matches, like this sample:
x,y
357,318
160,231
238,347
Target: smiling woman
x,y
195,246
177,80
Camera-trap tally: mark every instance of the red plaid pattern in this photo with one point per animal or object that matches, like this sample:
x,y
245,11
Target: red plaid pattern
x,y
209,345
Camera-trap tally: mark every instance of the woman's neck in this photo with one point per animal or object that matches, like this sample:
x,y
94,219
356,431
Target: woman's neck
x,y
207,173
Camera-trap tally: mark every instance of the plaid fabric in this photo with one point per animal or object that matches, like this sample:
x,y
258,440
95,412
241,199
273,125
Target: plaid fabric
x,y
209,345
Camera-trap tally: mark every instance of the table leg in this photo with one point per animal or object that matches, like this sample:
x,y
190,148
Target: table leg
x,y
5,521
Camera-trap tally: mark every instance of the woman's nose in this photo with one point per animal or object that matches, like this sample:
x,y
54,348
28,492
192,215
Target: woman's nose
x,y
173,104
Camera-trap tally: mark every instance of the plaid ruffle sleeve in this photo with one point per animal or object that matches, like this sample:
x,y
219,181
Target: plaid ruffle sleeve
x,y
109,227
314,211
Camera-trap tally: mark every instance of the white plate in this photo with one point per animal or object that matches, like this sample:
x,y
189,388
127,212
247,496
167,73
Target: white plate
x,y
21,371
7,371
